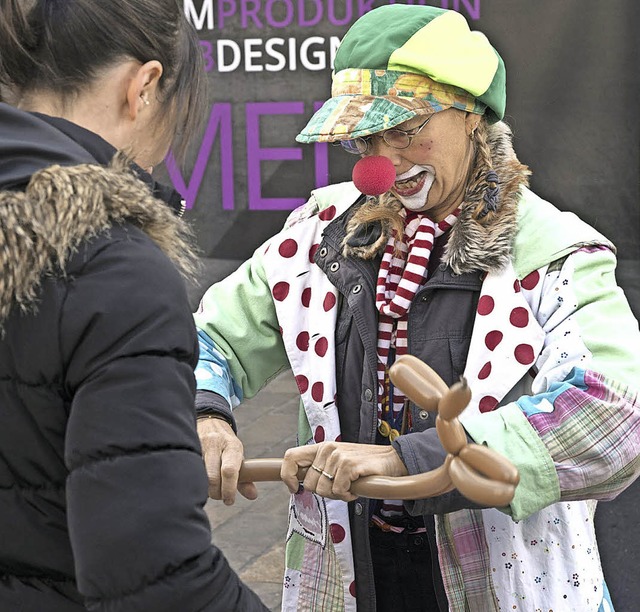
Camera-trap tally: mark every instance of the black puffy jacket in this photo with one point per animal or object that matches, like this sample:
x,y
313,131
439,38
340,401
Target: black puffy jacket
x,y
102,483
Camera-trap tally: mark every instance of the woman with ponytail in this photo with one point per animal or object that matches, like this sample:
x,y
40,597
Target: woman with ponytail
x,y
439,250
102,484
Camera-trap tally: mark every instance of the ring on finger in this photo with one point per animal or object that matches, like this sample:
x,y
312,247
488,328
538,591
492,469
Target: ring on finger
x,y
317,469
327,475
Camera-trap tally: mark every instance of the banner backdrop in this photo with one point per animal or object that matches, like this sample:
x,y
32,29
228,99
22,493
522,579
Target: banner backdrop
x,y
572,94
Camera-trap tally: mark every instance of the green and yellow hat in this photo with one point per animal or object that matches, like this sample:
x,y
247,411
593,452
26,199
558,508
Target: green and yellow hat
x,y
400,61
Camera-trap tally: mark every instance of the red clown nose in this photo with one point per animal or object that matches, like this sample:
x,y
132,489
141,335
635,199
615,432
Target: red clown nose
x,y
374,175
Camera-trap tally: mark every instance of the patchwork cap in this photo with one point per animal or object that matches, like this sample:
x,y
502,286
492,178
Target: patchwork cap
x,y
401,61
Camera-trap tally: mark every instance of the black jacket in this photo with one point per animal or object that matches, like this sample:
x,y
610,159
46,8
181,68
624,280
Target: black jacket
x,y
102,483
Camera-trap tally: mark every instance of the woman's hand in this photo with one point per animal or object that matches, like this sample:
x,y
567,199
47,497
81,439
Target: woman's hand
x,y
333,466
223,455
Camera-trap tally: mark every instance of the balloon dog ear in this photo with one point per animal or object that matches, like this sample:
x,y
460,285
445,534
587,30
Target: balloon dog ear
x,y
420,383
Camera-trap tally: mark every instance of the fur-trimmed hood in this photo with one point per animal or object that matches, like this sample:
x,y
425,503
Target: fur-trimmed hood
x,y
61,185
482,238
43,226
33,141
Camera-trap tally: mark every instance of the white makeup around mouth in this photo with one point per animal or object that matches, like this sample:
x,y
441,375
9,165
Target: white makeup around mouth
x,y
412,187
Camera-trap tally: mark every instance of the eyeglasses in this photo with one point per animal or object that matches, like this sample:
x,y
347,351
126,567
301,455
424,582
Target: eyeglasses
x,y
395,138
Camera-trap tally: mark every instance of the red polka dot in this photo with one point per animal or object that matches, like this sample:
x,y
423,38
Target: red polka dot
x,y
337,533
317,391
302,382
519,317
321,346
318,436
487,403
280,328
524,354
312,252
329,301
485,305
328,213
339,438
352,589
492,339
288,248
531,280
485,371
516,286
302,341
306,297
280,291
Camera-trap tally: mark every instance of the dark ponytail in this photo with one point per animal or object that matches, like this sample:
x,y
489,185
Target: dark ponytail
x,y
60,46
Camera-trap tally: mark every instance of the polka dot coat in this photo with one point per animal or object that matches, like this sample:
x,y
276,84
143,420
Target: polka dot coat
x,y
553,352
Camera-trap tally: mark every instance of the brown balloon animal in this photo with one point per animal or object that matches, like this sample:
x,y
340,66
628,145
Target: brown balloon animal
x,y
478,472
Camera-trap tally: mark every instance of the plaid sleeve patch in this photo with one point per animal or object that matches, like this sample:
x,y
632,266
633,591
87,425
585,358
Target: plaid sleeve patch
x,y
591,427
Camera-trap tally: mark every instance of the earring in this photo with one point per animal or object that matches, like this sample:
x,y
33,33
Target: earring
x,y
472,133
145,99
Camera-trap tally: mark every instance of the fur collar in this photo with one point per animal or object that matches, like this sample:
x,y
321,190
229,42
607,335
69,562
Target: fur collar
x,y
42,227
485,243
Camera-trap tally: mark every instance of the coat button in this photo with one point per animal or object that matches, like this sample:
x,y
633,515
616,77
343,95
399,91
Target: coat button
x,y
423,414
323,252
358,508
368,394
357,289
334,267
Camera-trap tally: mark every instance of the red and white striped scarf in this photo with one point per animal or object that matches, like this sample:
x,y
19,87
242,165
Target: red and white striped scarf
x,y
403,271
399,279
